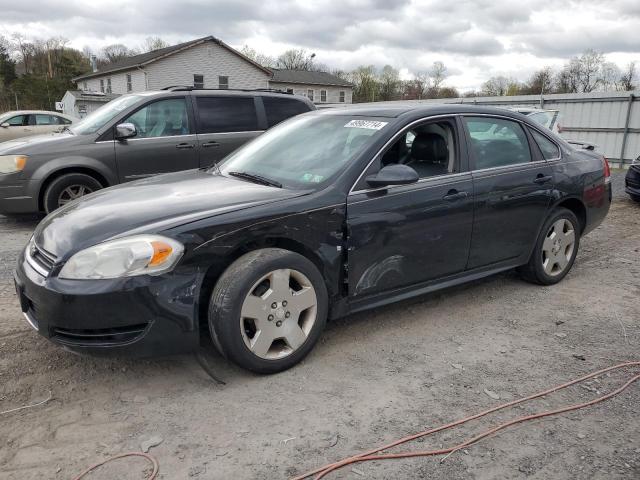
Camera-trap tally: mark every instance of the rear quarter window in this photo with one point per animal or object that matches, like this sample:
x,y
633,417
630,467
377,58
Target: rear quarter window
x,y
280,109
226,114
549,149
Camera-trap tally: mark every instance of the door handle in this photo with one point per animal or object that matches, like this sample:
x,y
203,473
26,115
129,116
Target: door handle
x,y
540,179
210,144
455,195
185,145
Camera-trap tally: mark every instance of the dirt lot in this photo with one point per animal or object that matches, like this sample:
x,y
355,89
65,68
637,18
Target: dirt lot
x,y
374,377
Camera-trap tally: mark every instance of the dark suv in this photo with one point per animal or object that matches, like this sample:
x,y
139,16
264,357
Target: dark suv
x,y
136,136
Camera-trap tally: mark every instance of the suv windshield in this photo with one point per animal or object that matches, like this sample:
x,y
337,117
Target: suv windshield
x,y
96,120
306,151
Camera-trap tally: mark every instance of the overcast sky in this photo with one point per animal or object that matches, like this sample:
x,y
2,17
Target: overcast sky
x,y
475,39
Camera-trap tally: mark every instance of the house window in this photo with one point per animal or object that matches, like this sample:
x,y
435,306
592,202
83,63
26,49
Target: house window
x,y
223,82
310,94
102,85
129,86
85,86
198,81
323,95
290,90
108,85
342,96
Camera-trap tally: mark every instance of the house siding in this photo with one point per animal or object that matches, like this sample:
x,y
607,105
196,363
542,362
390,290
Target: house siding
x,y
210,60
333,92
118,82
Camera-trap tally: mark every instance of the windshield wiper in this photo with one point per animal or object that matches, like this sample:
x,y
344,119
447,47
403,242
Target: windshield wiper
x,y
256,178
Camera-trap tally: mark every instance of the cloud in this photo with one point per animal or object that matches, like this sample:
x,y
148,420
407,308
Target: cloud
x,y
475,38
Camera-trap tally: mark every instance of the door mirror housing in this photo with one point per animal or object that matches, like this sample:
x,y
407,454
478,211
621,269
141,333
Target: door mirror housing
x,y
393,175
125,130
5,125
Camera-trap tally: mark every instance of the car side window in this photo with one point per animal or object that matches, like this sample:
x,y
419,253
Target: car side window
x,y
226,114
549,149
164,118
280,109
497,142
17,121
429,148
42,119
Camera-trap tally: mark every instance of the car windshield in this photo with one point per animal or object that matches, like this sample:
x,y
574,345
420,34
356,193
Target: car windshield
x,y
96,120
306,151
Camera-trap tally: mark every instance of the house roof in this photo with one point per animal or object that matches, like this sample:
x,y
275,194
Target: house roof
x,y
93,96
143,59
309,78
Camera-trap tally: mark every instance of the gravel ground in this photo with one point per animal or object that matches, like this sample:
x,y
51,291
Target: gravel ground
x,y
374,377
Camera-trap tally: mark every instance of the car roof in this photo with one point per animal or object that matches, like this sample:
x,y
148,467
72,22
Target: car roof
x,y
32,112
397,109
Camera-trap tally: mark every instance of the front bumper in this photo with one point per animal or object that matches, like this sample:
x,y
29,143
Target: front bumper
x,y
18,196
137,316
632,181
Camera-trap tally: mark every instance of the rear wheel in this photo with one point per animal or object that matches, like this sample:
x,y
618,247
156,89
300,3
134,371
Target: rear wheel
x,y
556,249
268,310
67,188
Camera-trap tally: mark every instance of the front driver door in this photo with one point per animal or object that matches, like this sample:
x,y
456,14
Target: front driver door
x,y
402,236
164,142
17,126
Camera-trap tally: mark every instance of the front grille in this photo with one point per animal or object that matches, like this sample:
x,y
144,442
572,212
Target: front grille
x,y
41,260
99,336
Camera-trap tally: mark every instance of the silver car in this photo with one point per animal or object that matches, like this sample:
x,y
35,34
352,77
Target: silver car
x,y
24,123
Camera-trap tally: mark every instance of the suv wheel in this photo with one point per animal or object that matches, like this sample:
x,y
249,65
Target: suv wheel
x,y
555,250
268,310
66,188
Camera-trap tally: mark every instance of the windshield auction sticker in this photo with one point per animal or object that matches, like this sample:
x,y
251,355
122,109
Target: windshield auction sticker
x,y
369,124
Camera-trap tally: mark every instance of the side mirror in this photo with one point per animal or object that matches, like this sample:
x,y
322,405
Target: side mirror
x,y
393,175
5,125
125,130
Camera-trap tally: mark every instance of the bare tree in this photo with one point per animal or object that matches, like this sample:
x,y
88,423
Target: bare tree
x,y
365,84
115,52
628,77
496,86
389,81
591,63
438,74
260,58
153,43
296,59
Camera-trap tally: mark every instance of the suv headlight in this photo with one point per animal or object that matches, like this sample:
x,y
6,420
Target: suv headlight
x,y
124,257
12,163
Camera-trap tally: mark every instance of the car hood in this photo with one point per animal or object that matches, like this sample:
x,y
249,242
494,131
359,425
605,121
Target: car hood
x,y
27,145
148,206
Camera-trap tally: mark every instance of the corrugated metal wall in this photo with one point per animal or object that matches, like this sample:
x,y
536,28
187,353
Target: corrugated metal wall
x,y
599,118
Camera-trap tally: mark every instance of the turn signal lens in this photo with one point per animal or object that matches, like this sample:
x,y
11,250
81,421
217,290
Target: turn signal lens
x,y
161,252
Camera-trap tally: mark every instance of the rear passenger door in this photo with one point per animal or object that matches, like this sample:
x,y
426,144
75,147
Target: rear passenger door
x,y
513,186
224,123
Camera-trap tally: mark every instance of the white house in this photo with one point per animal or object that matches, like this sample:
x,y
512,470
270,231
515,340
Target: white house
x,y
206,63
320,87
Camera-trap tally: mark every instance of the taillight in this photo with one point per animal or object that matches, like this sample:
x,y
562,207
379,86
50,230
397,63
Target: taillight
x,y
607,170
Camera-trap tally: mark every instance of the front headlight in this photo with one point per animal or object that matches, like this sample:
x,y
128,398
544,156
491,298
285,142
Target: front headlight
x,y
125,257
635,161
12,163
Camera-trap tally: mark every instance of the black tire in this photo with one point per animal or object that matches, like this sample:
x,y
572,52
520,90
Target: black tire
x,y
51,197
229,295
534,271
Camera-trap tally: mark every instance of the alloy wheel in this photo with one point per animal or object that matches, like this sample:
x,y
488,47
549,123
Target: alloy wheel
x,y
278,314
72,192
558,247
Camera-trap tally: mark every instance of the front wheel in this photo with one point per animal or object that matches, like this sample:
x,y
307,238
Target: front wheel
x,y
268,310
67,188
556,249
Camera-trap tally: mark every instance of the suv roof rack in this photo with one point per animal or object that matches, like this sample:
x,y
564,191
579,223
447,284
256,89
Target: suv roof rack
x,y
187,88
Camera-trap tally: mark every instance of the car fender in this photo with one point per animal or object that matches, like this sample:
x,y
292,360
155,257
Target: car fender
x,y
49,168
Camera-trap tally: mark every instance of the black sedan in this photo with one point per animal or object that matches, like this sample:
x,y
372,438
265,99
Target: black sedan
x,y
328,213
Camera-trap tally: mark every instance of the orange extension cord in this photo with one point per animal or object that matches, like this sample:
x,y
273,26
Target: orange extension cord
x,y
371,454
154,462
